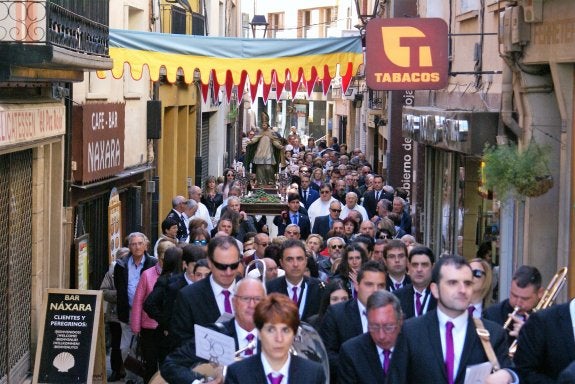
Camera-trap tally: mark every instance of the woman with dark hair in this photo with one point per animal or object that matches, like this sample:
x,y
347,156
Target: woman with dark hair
x,y
229,181
353,257
211,198
200,237
350,228
277,320
333,293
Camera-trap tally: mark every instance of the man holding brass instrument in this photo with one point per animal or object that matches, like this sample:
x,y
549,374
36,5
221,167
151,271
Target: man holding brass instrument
x,y
248,293
524,294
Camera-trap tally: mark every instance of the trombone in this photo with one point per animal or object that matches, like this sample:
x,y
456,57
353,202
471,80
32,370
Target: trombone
x,y
548,298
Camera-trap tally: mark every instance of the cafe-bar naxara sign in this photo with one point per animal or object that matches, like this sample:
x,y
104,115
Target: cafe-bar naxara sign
x,y
406,54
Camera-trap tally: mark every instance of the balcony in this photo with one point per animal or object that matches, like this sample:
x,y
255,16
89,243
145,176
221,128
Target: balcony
x,y
48,39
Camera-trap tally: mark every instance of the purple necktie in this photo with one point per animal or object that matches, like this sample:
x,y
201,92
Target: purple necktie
x,y
294,296
249,351
397,285
386,360
449,352
471,309
227,304
418,304
275,379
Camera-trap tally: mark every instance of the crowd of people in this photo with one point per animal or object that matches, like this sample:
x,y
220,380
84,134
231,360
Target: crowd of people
x,y
344,260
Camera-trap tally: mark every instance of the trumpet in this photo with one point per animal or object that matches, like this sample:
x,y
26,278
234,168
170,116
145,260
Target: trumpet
x,y
548,298
509,320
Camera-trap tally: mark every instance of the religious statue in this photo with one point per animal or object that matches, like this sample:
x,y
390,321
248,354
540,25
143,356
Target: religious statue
x,y
264,153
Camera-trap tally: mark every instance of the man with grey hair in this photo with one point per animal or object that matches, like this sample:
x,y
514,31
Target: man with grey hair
x,y
177,214
365,359
190,209
127,272
195,193
335,247
248,292
351,204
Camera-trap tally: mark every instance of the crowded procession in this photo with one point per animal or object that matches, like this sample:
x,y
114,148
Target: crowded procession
x,y
337,262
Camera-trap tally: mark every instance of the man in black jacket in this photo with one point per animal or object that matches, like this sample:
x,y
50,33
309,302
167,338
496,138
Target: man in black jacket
x,y
127,273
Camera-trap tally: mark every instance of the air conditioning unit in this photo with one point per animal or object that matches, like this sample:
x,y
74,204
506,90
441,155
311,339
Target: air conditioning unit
x,y
533,11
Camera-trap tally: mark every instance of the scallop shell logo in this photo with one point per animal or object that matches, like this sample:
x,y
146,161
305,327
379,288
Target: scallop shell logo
x,y
64,361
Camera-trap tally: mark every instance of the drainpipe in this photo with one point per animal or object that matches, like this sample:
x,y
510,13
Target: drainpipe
x,y
507,102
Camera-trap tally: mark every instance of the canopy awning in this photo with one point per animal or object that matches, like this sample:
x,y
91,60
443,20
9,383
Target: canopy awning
x,y
231,61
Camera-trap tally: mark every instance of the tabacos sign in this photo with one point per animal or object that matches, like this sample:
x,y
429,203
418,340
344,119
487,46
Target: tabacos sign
x,y
406,53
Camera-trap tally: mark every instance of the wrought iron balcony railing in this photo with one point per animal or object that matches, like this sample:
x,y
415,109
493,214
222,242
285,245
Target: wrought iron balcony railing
x,y
57,23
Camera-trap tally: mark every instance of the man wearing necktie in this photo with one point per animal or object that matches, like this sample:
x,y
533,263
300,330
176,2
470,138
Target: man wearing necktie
x,y
439,346
205,301
365,359
416,298
176,214
395,259
293,216
248,293
304,291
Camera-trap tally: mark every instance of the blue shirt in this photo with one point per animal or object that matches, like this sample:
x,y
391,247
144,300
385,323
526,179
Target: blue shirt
x,y
134,272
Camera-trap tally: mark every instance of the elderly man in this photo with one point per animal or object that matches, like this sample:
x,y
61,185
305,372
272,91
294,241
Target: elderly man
x,y
177,214
248,293
352,205
246,223
367,228
399,207
195,193
335,247
323,224
365,359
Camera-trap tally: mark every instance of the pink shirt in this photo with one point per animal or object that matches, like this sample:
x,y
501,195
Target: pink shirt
x,y
139,318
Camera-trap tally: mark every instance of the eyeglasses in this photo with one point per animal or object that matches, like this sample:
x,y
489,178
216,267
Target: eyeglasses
x,y
247,299
324,192
200,242
335,210
336,246
478,273
387,328
223,267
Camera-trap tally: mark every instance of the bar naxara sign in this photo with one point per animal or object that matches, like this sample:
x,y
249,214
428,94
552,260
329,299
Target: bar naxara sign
x,y
406,54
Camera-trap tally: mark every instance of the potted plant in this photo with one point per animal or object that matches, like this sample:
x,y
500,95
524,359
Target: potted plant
x,y
509,171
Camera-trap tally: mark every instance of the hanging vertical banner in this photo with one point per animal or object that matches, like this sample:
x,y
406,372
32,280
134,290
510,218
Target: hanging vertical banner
x,y
82,261
114,224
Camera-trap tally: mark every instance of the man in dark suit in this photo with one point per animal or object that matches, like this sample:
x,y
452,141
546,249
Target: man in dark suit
x,y
524,294
308,194
304,291
395,259
546,345
335,246
365,359
322,224
416,298
293,216
345,320
177,214
249,292
203,302
370,198
439,346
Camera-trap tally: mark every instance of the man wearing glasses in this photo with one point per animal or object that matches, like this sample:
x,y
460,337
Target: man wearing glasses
x,y
365,359
346,320
248,293
204,302
323,224
320,207
335,247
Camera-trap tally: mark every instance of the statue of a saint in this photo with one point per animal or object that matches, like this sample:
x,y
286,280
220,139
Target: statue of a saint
x,y
264,153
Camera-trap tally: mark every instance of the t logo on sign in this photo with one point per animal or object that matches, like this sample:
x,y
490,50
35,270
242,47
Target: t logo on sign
x,y
400,55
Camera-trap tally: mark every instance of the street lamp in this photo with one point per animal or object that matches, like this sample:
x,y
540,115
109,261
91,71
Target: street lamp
x,y
258,22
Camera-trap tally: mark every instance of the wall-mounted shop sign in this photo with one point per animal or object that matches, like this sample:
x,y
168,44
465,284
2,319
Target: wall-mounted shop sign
x,y
460,131
98,141
20,123
406,54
